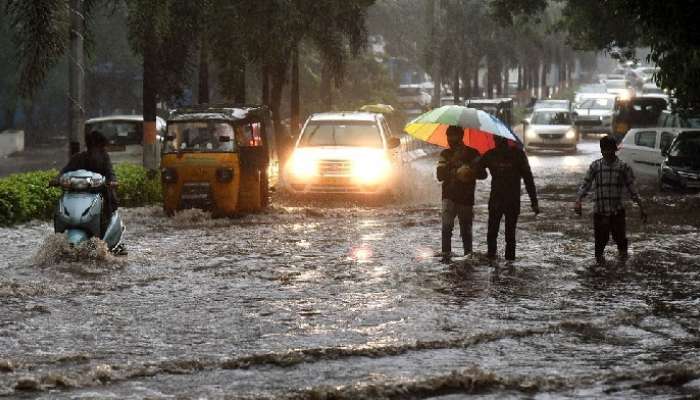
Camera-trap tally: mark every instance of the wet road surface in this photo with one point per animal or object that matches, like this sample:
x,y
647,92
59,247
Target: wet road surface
x,y
320,301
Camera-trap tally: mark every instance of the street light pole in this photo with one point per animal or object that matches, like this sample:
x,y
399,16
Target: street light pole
x,y
76,96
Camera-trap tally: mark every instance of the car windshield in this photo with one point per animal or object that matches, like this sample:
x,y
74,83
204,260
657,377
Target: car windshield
x,y
551,118
341,133
616,84
598,104
214,136
687,146
118,133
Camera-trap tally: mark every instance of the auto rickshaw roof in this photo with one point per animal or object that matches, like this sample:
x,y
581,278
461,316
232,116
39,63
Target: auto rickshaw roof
x,y
219,113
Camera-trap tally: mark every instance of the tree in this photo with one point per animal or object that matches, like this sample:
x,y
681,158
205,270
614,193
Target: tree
x,y
668,28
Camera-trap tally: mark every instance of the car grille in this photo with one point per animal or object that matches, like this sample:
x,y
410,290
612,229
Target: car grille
x,y
551,135
335,168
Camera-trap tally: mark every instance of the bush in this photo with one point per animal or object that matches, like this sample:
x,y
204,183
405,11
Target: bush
x,y
27,196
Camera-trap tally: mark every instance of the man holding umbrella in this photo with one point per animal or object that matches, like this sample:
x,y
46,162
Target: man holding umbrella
x,y
457,171
508,165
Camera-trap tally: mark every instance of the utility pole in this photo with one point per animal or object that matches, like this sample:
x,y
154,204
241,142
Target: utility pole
x,y
76,95
433,14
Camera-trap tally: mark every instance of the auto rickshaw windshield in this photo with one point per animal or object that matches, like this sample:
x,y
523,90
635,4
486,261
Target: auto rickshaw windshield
x,y
200,136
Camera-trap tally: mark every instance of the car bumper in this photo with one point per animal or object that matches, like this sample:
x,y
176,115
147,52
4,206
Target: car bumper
x,y
681,182
336,185
551,143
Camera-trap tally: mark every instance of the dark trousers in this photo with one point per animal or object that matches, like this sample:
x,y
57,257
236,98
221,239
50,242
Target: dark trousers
x,y
464,215
496,212
604,226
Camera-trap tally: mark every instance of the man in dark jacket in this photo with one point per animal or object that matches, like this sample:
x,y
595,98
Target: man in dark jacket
x,y
507,165
458,173
96,159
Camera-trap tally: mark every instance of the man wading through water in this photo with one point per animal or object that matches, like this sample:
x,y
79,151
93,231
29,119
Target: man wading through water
x,y
611,177
507,165
458,173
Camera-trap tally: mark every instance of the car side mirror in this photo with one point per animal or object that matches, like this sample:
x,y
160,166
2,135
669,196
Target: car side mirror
x,y
394,142
664,151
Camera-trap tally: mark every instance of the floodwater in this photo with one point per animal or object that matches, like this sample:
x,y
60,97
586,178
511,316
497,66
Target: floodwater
x,y
332,301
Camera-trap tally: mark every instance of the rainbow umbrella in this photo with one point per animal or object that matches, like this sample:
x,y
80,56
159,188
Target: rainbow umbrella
x,y
479,127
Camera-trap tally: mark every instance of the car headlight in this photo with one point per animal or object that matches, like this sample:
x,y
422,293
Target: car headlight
x,y
530,133
570,134
626,95
370,170
303,167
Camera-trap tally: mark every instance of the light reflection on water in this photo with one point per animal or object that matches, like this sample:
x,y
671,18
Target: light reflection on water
x,y
300,300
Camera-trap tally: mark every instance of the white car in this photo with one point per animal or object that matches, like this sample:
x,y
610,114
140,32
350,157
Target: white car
x,y
621,88
414,98
344,153
124,134
589,91
651,90
551,128
597,112
641,149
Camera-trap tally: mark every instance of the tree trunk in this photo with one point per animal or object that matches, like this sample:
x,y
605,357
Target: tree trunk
x,y
466,89
456,93
543,80
294,120
76,96
536,79
239,91
203,95
326,81
520,77
150,101
9,117
278,80
265,78
475,89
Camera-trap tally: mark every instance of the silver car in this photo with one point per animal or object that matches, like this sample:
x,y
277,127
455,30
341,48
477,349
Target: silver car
x,y
597,112
551,128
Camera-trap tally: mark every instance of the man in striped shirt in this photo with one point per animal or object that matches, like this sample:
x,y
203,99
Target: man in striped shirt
x,y
609,177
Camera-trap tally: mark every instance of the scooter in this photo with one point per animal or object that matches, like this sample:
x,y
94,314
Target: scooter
x,y
79,210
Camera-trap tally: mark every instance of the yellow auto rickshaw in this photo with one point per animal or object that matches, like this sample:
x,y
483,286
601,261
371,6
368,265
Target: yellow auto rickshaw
x,y
221,159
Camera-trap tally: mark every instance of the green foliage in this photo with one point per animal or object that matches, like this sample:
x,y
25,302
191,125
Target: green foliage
x,y
27,196
135,187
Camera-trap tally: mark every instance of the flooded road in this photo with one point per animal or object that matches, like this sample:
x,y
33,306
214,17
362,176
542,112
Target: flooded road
x,y
349,302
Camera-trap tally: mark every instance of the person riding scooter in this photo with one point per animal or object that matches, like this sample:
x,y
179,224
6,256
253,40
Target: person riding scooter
x,y
96,159
88,206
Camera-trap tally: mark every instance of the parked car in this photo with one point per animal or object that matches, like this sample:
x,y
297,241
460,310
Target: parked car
x,y
344,153
622,88
551,128
124,134
680,168
598,111
414,98
676,122
642,148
